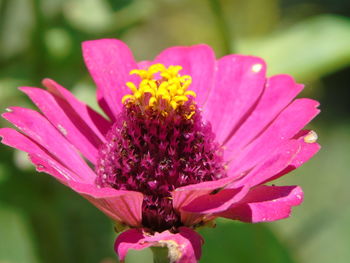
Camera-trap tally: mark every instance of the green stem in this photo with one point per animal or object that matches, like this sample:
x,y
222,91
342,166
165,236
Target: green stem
x,y
160,254
222,26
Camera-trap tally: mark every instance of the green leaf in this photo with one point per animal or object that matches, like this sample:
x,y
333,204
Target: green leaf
x,y
16,242
308,50
232,242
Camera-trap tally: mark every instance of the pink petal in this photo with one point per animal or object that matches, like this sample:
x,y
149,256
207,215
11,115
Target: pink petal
x,y
273,164
307,150
95,121
40,130
145,64
182,196
285,126
194,201
43,161
238,84
278,92
122,206
67,121
197,61
184,246
265,204
109,62
215,201
214,196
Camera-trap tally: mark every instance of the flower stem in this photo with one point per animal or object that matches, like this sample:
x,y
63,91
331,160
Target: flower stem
x,y
160,254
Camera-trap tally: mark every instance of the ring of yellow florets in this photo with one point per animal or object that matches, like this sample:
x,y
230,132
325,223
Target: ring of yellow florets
x,y
161,89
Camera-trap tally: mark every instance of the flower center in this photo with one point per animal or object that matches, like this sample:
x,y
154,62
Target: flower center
x,y
159,143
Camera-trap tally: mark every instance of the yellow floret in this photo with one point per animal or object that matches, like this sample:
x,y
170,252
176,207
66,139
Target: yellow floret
x,y
161,88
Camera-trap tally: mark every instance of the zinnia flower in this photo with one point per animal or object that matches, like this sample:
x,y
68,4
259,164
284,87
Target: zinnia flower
x,y
188,139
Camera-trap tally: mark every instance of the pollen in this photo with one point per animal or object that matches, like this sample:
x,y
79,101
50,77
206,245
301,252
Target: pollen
x,y
162,89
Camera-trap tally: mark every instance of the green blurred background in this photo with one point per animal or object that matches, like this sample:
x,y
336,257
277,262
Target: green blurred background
x,y
42,221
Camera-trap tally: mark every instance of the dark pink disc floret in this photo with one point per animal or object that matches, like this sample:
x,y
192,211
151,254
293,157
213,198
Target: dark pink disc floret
x,y
153,154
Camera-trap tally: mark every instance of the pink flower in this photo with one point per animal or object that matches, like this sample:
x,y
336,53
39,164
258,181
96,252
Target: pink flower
x,y
188,139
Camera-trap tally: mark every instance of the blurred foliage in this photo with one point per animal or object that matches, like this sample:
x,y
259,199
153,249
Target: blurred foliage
x,y
42,221
18,246
319,231
232,242
319,45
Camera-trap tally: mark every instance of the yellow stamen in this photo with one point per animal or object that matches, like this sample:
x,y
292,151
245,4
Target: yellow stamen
x,y
161,89
180,98
189,116
152,101
173,104
131,86
127,97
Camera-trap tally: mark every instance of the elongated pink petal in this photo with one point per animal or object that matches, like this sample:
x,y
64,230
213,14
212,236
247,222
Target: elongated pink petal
x,y
109,62
284,127
216,201
198,62
122,206
184,246
239,82
94,120
219,194
67,121
202,201
307,150
182,196
265,203
195,201
40,130
278,93
43,161
273,164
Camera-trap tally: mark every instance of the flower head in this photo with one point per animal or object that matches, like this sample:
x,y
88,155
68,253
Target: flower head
x,y
188,139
